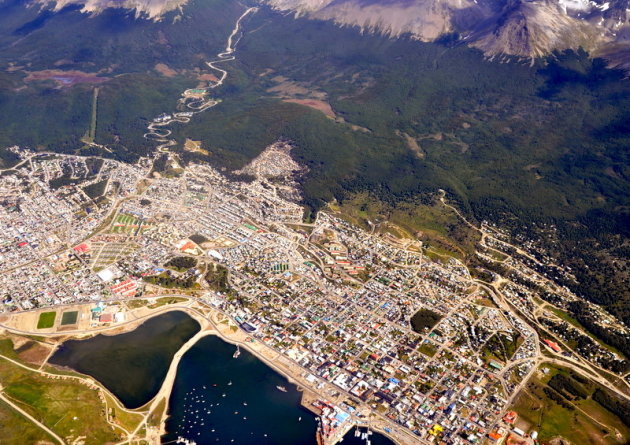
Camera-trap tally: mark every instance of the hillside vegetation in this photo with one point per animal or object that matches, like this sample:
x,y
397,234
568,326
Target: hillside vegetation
x,y
539,149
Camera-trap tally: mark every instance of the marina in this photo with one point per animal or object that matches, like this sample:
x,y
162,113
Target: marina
x,y
249,411
216,399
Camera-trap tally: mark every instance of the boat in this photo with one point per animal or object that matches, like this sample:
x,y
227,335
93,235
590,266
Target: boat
x,y
237,352
230,383
281,388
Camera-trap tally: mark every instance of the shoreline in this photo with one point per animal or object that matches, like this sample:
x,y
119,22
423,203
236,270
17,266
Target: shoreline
x,y
211,322
307,394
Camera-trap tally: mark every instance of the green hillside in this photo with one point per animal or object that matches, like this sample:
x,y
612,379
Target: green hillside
x,y
540,149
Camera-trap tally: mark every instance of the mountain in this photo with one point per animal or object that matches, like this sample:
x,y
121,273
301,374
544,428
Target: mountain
x,y
151,9
539,149
516,27
527,29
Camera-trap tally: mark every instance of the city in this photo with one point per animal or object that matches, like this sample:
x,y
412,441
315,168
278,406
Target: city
x,y
381,334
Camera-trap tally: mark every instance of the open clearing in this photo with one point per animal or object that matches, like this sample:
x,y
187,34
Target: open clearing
x,y
17,430
580,421
318,105
66,406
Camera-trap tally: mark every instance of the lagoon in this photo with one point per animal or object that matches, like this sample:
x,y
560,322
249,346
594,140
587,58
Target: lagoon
x,y
131,365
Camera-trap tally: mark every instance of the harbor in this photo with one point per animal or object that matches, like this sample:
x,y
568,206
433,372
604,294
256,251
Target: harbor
x,y
219,398
223,396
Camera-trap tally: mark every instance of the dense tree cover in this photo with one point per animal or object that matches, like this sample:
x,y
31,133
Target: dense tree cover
x,y
113,45
160,163
181,263
95,189
566,385
614,404
169,280
424,319
114,41
217,278
198,238
516,144
557,397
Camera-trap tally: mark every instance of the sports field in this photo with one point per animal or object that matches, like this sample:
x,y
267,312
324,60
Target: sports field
x,y
46,320
69,317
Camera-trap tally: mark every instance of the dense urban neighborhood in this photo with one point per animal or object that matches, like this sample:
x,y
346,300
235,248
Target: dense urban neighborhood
x,y
378,330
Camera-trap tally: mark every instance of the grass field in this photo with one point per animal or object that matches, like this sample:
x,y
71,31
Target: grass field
x,y
6,348
46,320
127,420
17,430
129,224
69,408
156,415
167,300
501,346
428,348
125,223
437,226
587,422
135,304
69,318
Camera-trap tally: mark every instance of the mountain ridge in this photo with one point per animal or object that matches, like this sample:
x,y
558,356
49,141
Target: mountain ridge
x,y
149,9
522,28
527,29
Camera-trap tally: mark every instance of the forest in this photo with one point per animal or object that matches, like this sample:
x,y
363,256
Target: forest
x,y
217,278
526,146
181,263
424,320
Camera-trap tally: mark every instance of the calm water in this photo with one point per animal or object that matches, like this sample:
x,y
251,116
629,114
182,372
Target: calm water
x,y
250,411
375,439
131,365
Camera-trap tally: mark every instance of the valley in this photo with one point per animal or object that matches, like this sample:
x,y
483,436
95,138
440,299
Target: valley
x,y
335,188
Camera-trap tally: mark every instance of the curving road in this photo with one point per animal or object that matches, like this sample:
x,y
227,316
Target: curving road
x,y
156,130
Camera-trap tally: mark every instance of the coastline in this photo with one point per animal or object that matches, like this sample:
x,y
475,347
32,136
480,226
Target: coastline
x,y
212,322
261,352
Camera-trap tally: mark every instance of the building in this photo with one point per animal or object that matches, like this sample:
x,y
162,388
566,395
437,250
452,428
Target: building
x,y
553,345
